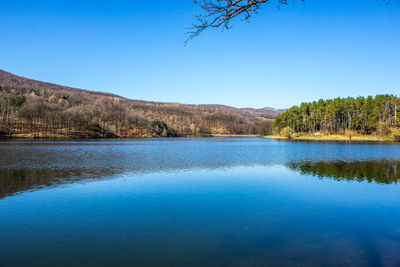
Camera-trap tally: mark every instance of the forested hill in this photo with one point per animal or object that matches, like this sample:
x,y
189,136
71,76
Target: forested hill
x,y
30,108
363,115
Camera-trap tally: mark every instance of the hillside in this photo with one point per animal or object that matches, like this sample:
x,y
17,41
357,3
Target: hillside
x,y
30,108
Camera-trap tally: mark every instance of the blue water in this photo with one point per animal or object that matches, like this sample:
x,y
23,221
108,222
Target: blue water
x,y
199,202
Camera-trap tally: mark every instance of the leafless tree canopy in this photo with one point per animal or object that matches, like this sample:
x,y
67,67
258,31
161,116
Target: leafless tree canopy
x,y
219,13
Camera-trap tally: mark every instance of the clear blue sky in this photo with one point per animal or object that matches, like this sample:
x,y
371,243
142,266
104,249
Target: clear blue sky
x,y
322,49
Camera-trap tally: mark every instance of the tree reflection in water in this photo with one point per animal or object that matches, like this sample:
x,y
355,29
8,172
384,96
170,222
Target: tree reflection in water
x,y
14,181
379,171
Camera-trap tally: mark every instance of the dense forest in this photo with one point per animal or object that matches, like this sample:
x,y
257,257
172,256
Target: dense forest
x,y
370,115
30,108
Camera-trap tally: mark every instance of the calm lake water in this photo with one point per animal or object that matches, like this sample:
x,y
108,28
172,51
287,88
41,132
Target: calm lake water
x,y
201,202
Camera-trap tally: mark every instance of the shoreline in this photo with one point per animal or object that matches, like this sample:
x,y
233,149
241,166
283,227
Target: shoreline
x,y
121,138
231,135
333,137
340,138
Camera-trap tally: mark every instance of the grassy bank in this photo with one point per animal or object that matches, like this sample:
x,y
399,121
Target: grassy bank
x,y
332,138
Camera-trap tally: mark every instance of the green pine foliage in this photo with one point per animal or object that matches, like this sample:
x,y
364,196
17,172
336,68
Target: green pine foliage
x,y
337,116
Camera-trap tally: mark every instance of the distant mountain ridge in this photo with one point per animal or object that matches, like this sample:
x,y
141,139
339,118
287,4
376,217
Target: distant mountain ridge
x,y
266,112
107,114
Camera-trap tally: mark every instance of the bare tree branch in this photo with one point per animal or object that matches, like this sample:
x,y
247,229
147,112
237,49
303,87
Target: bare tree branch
x,y
220,13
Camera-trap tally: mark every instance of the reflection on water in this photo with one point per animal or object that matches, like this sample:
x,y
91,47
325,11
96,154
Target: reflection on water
x,y
202,202
379,171
35,165
17,181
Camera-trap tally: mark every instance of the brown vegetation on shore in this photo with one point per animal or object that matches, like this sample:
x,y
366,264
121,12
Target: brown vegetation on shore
x,y
30,108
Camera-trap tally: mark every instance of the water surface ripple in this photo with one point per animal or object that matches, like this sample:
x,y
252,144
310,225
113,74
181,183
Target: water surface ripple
x,y
199,202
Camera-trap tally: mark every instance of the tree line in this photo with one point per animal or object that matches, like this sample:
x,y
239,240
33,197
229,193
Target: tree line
x,y
363,115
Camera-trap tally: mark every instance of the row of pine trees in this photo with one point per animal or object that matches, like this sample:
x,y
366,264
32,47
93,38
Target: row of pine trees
x,y
365,115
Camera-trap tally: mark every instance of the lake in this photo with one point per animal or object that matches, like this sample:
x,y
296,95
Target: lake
x,y
199,202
